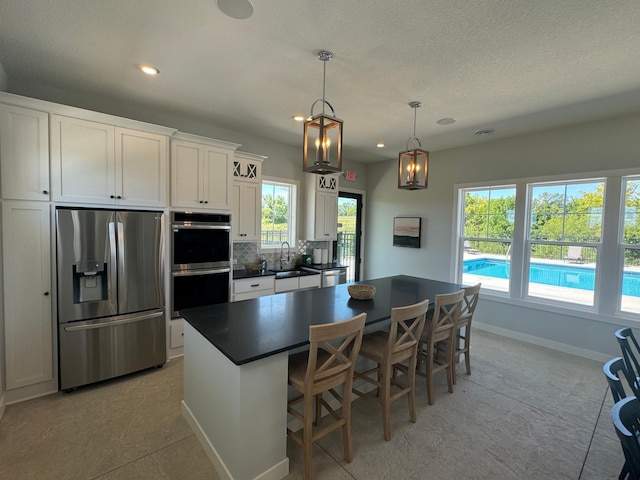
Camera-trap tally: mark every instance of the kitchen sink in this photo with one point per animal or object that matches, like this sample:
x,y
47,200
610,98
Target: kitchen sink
x,y
287,273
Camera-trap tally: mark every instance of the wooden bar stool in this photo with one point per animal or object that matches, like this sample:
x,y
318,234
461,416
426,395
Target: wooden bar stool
x,y
388,350
327,365
435,348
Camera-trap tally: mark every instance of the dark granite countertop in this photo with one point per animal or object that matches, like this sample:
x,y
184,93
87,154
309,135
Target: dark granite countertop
x,y
325,266
252,329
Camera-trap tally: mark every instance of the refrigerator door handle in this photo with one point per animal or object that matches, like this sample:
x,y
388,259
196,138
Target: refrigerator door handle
x,y
113,266
122,270
191,273
113,323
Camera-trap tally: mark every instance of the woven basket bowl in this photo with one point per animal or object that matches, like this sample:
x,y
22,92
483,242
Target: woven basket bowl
x,y
252,267
361,291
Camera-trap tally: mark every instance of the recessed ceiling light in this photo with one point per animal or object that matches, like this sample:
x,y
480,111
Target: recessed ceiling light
x,y
238,9
149,69
380,145
446,121
298,118
486,131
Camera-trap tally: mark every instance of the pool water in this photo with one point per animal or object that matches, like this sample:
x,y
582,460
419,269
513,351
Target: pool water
x,y
556,275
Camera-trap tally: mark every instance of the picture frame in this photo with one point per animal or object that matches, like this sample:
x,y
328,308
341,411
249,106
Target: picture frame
x,y
407,232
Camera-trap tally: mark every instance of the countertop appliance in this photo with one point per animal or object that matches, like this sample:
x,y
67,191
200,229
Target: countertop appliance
x,y
110,293
200,260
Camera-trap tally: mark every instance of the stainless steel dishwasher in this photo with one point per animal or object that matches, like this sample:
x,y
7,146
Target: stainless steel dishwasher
x,y
334,277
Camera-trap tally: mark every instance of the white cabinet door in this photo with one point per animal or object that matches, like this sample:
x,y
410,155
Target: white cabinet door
x,y
97,163
27,293
141,168
330,229
246,211
24,153
252,288
250,217
287,284
321,209
82,161
310,281
200,176
186,177
217,177
326,212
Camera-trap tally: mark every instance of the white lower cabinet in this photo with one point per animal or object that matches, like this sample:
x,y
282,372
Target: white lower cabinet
x,y
247,288
287,284
297,283
310,281
176,333
28,338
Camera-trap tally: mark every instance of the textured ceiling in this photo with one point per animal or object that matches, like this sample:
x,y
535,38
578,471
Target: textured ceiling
x,y
512,65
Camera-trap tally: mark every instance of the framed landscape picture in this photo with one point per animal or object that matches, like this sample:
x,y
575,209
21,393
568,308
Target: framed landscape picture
x,y
406,232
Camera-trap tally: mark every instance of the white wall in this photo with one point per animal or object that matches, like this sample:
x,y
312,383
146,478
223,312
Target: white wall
x,y
3,87
3,79
604,145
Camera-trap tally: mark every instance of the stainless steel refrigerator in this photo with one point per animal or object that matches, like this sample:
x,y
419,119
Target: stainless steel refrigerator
x,y
110,296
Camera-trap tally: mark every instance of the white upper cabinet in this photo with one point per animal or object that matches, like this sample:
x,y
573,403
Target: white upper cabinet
x,y
247,167
24,153
97,163
321,209
200,175
246,198
141,168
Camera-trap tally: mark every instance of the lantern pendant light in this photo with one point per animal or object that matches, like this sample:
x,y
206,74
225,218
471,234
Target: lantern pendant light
x,y
322,147
413,164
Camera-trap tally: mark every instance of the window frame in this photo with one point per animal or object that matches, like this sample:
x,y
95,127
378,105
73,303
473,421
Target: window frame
x,y
607,296
529,242
463,239
294,198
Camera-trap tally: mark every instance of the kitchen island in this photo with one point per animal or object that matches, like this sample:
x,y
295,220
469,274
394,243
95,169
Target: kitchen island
x,y
235,366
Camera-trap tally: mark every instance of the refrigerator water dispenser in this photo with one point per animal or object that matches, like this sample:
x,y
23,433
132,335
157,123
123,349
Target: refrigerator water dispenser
x,y
89,282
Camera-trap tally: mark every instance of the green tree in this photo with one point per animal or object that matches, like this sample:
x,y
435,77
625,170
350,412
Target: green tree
x,y
274,210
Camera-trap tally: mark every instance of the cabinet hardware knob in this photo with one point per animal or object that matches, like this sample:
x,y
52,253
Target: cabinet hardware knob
x,y
206,201
112,196
200,201
46,192
46,294
119,197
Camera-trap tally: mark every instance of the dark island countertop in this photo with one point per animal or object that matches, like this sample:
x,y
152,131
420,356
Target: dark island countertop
x,y
253,329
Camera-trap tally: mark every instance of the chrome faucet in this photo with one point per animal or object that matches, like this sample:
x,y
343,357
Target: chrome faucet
x,y
288,253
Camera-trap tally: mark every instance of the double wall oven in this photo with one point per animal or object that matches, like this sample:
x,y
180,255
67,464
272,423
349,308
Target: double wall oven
x,y
200,259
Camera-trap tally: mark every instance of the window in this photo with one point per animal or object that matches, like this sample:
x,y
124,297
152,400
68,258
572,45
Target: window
x,y
565,230
630,294
278,213
487,236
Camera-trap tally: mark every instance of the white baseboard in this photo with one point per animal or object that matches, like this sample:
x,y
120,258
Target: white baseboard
x,y
276,472
209,449
543,342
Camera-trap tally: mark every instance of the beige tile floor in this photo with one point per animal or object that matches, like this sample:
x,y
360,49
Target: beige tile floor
x,y
525,412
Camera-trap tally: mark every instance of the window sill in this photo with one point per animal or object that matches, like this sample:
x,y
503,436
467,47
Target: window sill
x,y
580,311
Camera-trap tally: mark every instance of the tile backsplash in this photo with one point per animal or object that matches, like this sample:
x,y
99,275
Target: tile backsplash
x,y
247,252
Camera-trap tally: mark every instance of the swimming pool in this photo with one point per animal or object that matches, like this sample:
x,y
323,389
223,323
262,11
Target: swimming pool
x,y
556,275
